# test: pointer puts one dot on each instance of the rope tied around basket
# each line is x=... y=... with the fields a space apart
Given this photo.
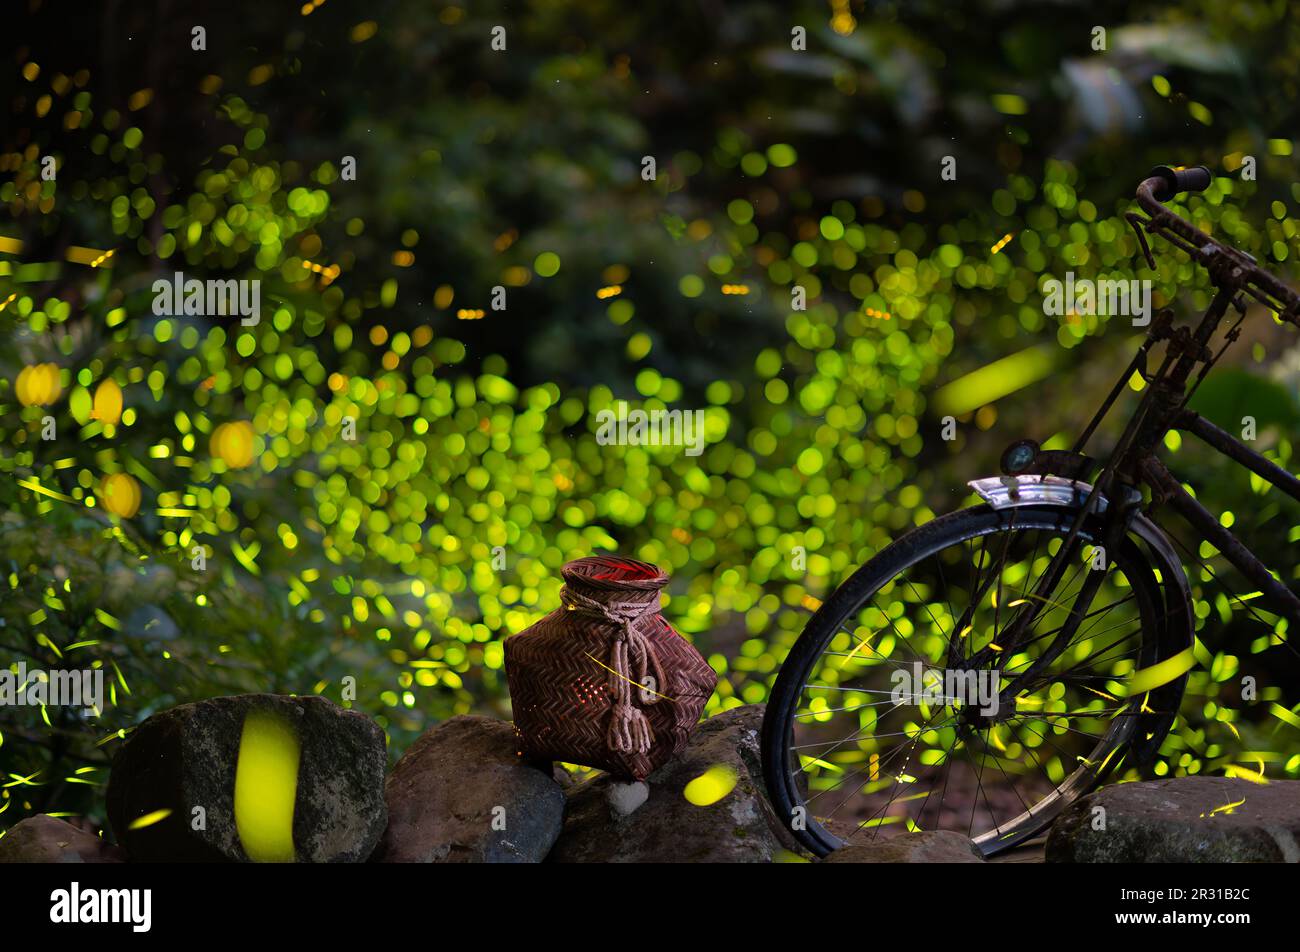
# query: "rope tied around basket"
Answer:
x=632 y=658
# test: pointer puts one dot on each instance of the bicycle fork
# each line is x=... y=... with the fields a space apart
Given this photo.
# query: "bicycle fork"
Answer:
x=1014 y=634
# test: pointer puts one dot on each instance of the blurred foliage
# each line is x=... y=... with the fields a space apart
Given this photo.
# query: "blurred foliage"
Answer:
x=327 y=558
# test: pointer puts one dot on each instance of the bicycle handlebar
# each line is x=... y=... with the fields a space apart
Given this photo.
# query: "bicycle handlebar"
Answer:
x=1228 y=267
x=1195 y=179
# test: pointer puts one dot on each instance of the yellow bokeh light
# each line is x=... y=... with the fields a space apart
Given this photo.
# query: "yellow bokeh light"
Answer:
x=266 y=787
x=108 y=402
x=711 y=786
x=233 y=444
x=121 y=495
x=38 y=385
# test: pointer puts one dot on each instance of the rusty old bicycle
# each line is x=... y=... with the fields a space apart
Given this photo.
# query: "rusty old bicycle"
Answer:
x=993 y=665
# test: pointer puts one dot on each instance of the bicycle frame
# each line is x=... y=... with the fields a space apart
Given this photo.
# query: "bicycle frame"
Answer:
x=1164 y=406
x=1169 y=490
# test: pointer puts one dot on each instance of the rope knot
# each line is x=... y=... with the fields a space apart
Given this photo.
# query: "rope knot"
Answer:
x=633 y=663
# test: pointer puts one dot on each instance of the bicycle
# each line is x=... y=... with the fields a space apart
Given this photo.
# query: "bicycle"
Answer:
x=978 y=634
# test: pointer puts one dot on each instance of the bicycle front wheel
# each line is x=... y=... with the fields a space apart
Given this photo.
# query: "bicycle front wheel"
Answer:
x=884 y=718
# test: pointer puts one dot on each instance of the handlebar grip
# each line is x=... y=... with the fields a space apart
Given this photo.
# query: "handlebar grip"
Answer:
x=1194 y=179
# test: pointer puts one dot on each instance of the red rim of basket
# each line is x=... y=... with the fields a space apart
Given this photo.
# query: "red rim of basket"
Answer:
x=614 y=574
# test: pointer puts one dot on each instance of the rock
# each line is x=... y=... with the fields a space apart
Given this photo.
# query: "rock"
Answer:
x=47 y=839
x=668 y=828
x=460 y=781
x=930 y=846
x=624 y=798
x=1175 y=821
x=276 y=778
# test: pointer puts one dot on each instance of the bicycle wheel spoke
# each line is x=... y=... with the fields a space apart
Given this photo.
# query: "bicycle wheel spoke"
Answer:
x=880 y=767
x=858 y=736
x=884 y=811
x=979 y=784
x=947 y=768
x=838 y=710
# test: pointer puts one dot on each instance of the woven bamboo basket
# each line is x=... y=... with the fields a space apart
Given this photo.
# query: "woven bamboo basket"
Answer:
x=603 y=680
